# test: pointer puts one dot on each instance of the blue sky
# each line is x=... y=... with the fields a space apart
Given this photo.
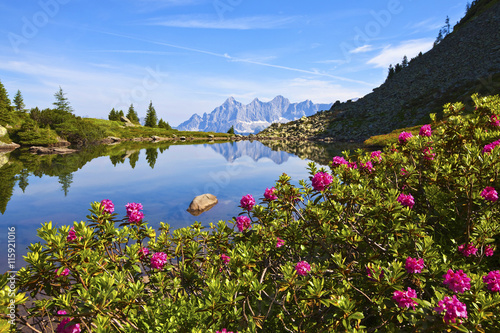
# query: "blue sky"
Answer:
x=189 y=56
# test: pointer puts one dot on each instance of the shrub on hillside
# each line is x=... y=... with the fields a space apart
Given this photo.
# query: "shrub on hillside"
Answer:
x=404 y=239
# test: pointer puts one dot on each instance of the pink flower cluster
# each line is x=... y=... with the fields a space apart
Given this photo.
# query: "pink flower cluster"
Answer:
x=143 y=252
x=321 y=180
x=493 y=281
x=224 y=331
x=65 y=272
x=489 y=193
x=488 y=251
x=404 y=298
x=414 y=265
x=489 y=147
x=376 y=155
x=428 y=154
x=368 y=166
x=63 y=326
x=243 y=223
x=454 y=309
x=403 y=172
x=158 y=260
x=279 y=242
x=406 y=200
x=71 y=235
x=425 y=131
x=338 y=161
x=108 y=205
x=457 y=282
x=404 y=137
x=352 y=165
x=467 y=250
x=302 y=268
x=247 y=202
x=225 y=259
x=269 y=194
x=494 y=121
x=134 y=212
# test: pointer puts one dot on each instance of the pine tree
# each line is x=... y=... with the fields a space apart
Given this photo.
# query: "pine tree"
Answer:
x=151 y=156
x=151 y=118
x=65 y=180
x=5 y=107
x=231 y=130
x=132 y=115
x=447 y=25
x=19 y=102
x=120 y=114
x=62 y=103
x=113 y=115
x=391 y=72
x=398 y=68
x=404 y=64
x=163 y=124
x=439 y=38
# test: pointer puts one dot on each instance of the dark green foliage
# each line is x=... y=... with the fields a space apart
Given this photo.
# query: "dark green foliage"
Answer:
x=231 y=130
x=19 y=102
x=132 y=115
x=62 y=103
x=151 y=156
x=151 y=118
x=23 y=179
x=5 y=107
x=113 y=115
x=134 y=157
x=80 y=131
x=120 y=114
x=391 y=73
x=163 y=124
x=31 y=134
x=8 y=179
x=404 y=63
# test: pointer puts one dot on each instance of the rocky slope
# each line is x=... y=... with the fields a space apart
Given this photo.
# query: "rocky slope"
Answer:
x=466 y=61
x=252 y=117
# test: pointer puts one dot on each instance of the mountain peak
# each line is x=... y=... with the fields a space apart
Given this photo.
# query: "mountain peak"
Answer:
x=230 y=100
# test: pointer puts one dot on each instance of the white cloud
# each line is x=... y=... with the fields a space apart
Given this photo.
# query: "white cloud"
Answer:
x=244 y=23
x=363 y=49
x=425 y=26
x=394 y=54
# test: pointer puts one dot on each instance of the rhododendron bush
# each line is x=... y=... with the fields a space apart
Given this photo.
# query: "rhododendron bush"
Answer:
x=357 y=249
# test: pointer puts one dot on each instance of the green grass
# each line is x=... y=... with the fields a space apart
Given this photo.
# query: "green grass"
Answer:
x=388 y=139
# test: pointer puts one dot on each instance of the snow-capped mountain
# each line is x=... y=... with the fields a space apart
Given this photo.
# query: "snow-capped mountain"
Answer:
x=250 y=118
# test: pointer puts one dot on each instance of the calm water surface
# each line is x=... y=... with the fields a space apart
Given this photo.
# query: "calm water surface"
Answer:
x=163 y=178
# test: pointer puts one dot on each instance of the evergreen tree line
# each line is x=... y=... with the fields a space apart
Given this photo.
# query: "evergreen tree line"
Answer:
x=393 y=70
x=151 y=119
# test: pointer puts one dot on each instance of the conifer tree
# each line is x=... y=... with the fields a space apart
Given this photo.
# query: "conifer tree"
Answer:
x=132 y=114
x=163 y=124
x=231 y=130
x=19 y=102
x=151 y=118
x=62 y=103
x=120 y=114
x=5 y=107
x=391 y=72
x=404 y=63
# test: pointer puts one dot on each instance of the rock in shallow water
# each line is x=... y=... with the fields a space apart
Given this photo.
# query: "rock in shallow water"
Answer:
x=202 y=203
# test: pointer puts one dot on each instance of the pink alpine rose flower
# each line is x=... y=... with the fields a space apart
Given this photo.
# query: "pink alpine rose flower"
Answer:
x=490 y=194
x=453 y=309
x=403 y=172
x=414 y=265
x=71 y=235
x=467 y=250
x=457 y=282
x=269 y=194
x=321 y=180
x=489 y=147
x=338 y=161
x=493 y=281
x=64 y=272
x=428 y=154
x=243 y=223
x=425 y=131
x=158 y=260
x=63 y=326
x=404 y=298
x=368 y=166
x=108 y=205
x=134 y=212
x=406 y=200
x=247 y=202
x=352 y=165
x=225 y=259
x=302 y=268
x=494 y=121
x=143 y=252
x=279 y=242
x=376 y=155
x=489 y=251
x=404 y=137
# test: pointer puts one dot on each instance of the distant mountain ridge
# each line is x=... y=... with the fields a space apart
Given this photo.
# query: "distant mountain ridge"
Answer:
x=252 y=117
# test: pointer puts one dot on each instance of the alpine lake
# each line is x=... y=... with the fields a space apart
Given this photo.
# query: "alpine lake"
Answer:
x=164 y=177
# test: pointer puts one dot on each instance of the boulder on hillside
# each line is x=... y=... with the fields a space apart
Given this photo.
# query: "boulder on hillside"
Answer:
x=3 y=131
x=3 y=159
x=202 y=203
